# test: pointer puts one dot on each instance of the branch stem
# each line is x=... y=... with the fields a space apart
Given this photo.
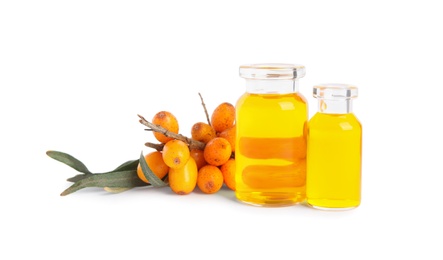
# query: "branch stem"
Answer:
x=204 y=107
x=158 y=147
x=193 y=144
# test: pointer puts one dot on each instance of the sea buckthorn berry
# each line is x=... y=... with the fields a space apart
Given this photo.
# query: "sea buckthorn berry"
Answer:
x=168 y=121
x=229 y=134
x=223 y=117
x=217 y=151
x=228 y=171
x=175 y=153
x=202 y=132
x=183 y=180
x=156 y=164
x=210 y=179
x=199 y=157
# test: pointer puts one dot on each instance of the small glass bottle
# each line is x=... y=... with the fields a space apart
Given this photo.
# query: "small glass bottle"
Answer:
x=334 y=150
x=270 y=151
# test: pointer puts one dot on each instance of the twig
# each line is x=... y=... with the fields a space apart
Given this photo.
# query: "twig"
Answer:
x=158 y=147
x=204 y=107
x=193 y=144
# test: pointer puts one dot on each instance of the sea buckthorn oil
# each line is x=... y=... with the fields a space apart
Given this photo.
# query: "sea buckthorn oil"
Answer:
x=270 y=149
x=334 y=150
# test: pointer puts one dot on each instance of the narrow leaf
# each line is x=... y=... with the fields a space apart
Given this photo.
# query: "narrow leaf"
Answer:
x=78 y=177
x=129 y=165
x=68 y=160
x=122 y=179
x=150 y=176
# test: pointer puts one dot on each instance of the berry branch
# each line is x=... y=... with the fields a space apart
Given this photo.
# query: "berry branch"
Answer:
x=204 y=107
x=158 y=147
x=193 y=144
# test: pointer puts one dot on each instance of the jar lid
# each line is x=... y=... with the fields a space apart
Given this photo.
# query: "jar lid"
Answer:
x=335 y=91
x=272 y=71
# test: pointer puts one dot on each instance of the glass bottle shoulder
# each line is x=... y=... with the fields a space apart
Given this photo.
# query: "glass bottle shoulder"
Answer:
x=335 y=121
x=252 y=98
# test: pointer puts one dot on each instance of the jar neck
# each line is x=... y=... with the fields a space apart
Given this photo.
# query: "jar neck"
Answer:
x=342 y=106
x=271 y=86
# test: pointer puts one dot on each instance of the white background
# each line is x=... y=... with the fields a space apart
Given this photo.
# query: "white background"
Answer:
x=75 y=74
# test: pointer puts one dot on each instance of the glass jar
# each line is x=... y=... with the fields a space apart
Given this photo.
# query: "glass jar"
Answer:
x=334 y=150
x=270 y=150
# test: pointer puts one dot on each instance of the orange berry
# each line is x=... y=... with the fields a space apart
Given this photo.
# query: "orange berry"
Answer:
x=156 y=164
x=198 y=157
x=210 y=179
x=168 y=121
x=183 y=180
x=217 y=151
x=223 y=117
x=228 y=171
x=229 y=134
x=176 y=153
x=202 y=132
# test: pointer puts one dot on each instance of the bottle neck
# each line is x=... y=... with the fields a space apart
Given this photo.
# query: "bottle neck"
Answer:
x=327 y=106
x=271 y=86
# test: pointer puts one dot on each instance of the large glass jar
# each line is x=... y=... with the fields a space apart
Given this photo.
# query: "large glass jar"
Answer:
x=270 y=150
x=334 y=150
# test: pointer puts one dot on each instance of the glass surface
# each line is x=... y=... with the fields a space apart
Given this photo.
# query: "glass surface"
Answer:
x=334 y=150
x=334 y=161
x=270 y=149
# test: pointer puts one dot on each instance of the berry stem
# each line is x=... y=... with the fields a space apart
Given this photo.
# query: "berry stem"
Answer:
x=193 y=144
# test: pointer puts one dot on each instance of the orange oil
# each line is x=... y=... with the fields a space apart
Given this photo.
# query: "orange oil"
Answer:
x=270 y=151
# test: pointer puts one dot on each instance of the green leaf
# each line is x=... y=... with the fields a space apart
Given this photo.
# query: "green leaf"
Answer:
x=78 y=177
x=129 y=165
x=150 y=176
x=68 y=160
x=121 y=179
